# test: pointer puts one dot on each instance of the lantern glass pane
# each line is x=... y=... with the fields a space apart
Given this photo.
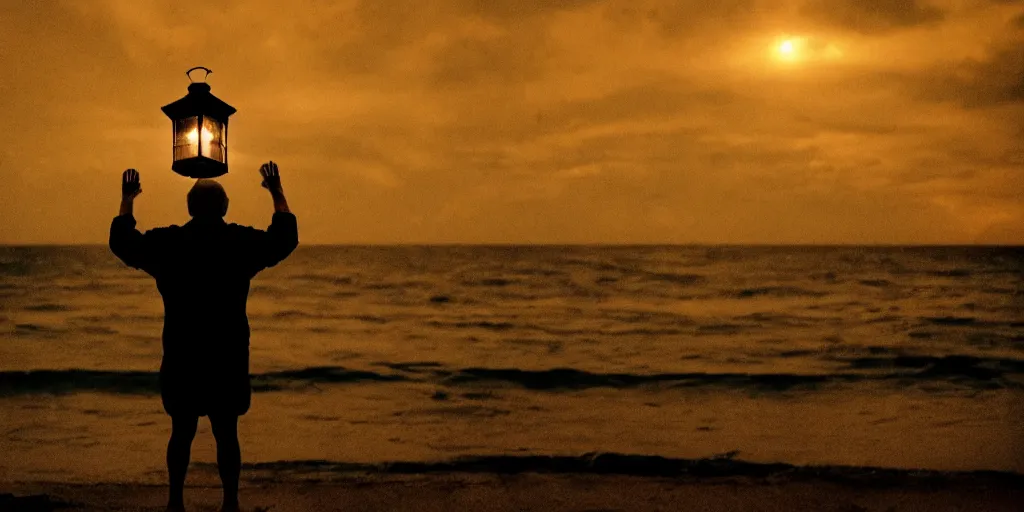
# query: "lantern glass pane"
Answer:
x=186 y=139
x=213 y=142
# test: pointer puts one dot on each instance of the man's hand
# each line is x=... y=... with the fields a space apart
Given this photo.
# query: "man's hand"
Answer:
x=272 y=182
x=131 y=187
x=271 y=176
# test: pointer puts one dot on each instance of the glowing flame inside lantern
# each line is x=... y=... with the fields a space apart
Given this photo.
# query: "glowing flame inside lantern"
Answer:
x=193 y=136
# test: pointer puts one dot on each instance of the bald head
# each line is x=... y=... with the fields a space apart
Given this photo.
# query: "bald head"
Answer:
x=207 y=199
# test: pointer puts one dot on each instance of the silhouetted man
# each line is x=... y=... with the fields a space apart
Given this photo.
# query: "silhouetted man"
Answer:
x=202 y=270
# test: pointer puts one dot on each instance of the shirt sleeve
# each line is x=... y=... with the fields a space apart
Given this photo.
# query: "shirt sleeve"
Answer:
x=134 y=248
x=276 y=243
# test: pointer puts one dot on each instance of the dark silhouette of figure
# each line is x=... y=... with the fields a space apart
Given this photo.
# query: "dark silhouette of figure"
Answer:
x=202 y=270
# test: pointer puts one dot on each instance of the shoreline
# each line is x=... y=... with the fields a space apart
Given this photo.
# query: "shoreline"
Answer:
x=725 y=465
x=455 y=491
x=618 y=464
x=591 y=482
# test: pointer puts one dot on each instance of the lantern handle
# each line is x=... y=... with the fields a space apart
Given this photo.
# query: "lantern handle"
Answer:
x=189 y=73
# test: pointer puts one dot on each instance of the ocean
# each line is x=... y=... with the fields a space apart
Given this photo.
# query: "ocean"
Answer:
x=896 y=357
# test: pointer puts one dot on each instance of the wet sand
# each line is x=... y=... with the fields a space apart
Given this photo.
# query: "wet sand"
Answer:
x=740 y=487
x=486 y=493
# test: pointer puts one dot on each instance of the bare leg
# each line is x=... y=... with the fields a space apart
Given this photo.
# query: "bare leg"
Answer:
x=229 y=457
x=179 y=451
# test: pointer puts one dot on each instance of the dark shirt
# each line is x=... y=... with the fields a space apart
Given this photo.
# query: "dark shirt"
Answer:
x=202 y=270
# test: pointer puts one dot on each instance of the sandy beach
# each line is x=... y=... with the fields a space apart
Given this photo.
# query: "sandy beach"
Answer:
x=595 y=482
x=537 y=491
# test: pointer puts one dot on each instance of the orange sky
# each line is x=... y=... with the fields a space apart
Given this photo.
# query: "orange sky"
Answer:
x=531 y=121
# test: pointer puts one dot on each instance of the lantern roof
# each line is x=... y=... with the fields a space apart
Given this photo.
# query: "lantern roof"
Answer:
x=199 y=101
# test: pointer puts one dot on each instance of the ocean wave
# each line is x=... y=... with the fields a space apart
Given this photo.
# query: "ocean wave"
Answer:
x=572 y=379
x=410 y=367
x=721 y=328
x=878 y=283
x=829 y=277
x=31 y=329
x=323 y=278
x=493 y=281
x=17 y=268
x=788 y=320
x=639 y=331
x=294 y=313
x=972 y=372
x=593 y=265
x=1001 y=290
x=951 y=366
x=956 y=272
x=118 y=318
x=127 y=382
x=95 y=286
x=455 y=410
x=775 y=291
x=47 y=307
x=482 y=324
x=287 y=379
x=633 y=269
x=883 y=319
x=625 y=330
x=97 y=329
x=949 y=320
x=78 y=381
x=725 y=465
x=683 y=279
x=965 y=370
x=543 y=272
x=635 y=316
x=370 y=319
x=384 y=285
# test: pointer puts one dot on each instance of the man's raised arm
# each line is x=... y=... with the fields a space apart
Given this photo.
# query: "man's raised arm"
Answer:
x=282 y=237
x=125 y=241
x=272 y=182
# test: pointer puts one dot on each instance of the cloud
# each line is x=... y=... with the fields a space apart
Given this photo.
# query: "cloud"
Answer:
x=873 y=16
x=995 y=79
x=532 y=121
x=674 y=19
x=507 y=58
x=520 y=9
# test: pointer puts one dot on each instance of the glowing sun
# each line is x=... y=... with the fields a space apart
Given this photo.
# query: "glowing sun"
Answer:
x=805 y=49
x=788 y=49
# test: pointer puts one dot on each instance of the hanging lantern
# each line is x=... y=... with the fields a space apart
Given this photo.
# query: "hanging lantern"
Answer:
x=199 y=124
